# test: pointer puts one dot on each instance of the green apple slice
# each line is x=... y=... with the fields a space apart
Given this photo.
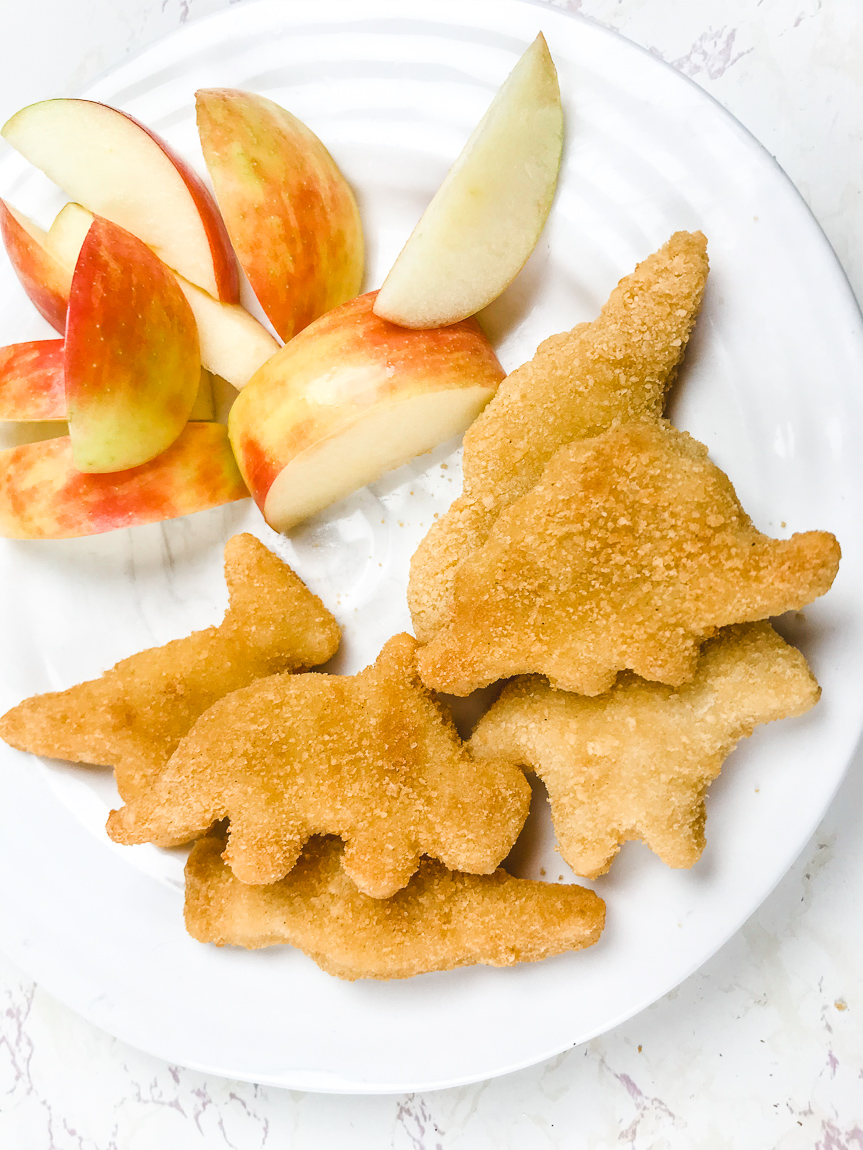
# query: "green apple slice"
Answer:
x=486 y=217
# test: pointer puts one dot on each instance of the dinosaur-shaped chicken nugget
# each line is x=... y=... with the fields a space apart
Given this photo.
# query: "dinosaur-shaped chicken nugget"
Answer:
x=369 y=757
x=133 y=717
x=579 y=383
x=630 y=551
x=636 y=762
x=439 y=921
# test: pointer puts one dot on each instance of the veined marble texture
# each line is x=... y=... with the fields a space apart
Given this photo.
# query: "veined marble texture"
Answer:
x=761 y=1048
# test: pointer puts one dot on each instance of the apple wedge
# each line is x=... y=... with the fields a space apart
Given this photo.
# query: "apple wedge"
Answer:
x=132 y=365
x=487 y=215
x=33 y=384
x=44 y=496
x=118 y=168
x=233 y=343
x=31 y=381
x=290 y=214
x=350 y=397
x=44 y=278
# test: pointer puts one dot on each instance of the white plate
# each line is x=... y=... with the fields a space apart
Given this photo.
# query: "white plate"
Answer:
x=771 y=385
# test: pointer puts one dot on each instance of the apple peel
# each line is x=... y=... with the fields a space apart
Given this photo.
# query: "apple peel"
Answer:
x=43 y=277
x=132 y=362
x=290 y=213
x=44 y=496
x=31 y=381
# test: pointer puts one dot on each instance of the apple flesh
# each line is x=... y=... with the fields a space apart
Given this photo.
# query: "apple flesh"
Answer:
x=44 y=496
x=233 y=343
x=290 y=213
x=487 y=215
x=45 y=279
x=132 y=365
x=31 y=381
x=119 y=169
x=350 y=398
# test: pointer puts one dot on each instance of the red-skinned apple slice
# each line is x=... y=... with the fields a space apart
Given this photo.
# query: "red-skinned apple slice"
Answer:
x=44 y=496
x=118 y=168
x=349 y=398
x=31 y=381
x=233 y=343
x=487 y=215
x=290 y=213
x=132 y=363
x=44 y=278
x=33 y=384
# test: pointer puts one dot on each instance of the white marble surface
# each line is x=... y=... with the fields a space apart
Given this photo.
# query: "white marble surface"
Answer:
x=762 y=1047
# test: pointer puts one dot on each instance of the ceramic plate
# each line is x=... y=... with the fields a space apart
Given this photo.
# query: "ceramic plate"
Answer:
x=771 y=385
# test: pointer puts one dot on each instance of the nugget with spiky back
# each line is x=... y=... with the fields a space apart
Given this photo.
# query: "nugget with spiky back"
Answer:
x=370 y=757
x=439 y=921
x=579 y=383
x=630 y=551
x=133 y=717
x=636 y=762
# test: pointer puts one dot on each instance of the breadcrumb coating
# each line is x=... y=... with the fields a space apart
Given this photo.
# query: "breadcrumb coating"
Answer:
x=630 y=551
x=439 y=921
x=133 y=717
x=579 y=383
x=369 y=757
x=636 y=762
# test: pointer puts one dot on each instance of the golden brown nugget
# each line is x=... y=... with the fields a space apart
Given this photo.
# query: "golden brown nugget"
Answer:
x=579 y=383
x=630 y=551
x=439 y=921
x=133 y=717
x=369 y=757
x=636 y=762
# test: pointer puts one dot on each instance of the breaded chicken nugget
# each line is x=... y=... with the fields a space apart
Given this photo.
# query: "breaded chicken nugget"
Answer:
x=439 y=921
x=630 y=551
x=133 y=717
x=369 y=757
x=636 y=762
x=615 y=369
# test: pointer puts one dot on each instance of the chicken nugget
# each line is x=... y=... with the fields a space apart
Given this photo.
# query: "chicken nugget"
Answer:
x=630 y=551
x=636 y=762
x=439 y=921
x=579 y=383
x=370 y=757
x=133 y=717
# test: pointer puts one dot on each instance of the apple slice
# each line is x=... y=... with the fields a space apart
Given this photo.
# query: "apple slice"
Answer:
x=487 y=215
x=132 y=363
x=31 y=381
x=233 y=343
x=290 y=214
x=349 y=398
x=44 y=496
x=33 y=384
x=118 y=168
x=44 y=278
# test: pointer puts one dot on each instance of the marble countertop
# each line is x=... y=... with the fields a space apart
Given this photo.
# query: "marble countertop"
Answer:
x=761 y=1047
